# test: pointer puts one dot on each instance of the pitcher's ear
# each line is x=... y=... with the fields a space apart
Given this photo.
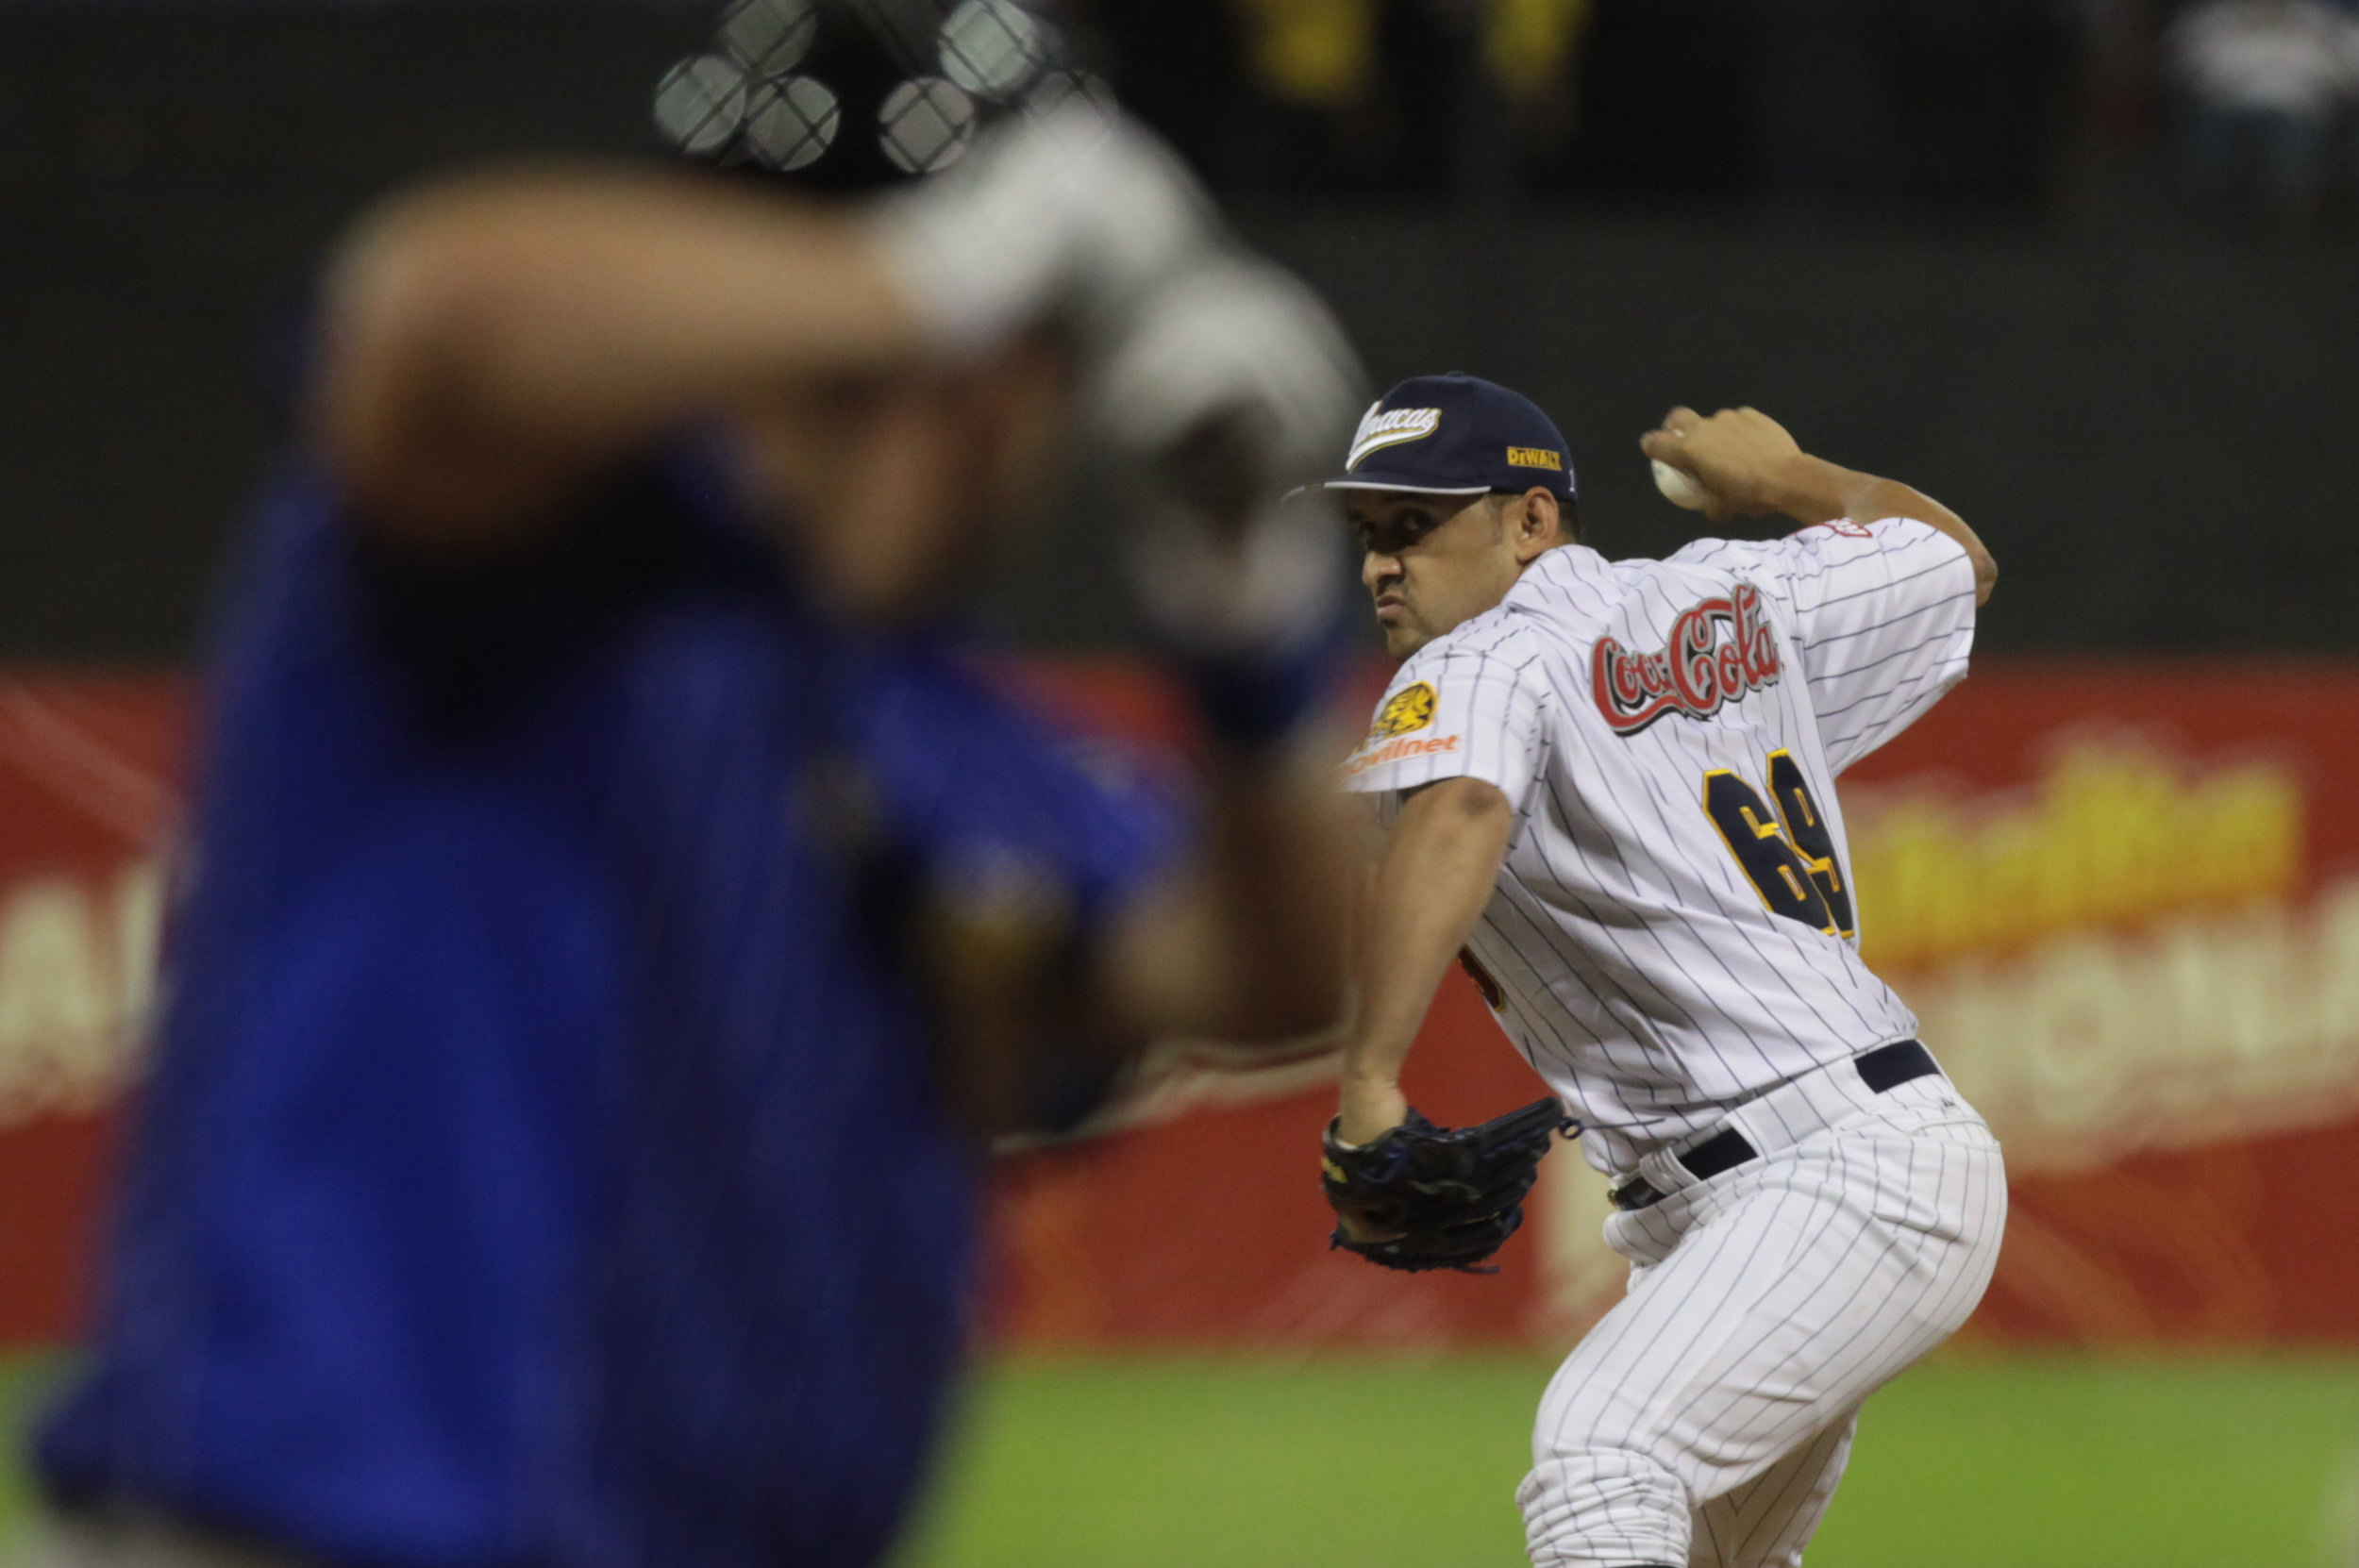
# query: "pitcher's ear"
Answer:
x=1539 y=523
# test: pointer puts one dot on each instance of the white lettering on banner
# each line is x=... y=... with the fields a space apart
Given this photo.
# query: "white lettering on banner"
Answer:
x=78 y=971
x=2092 y=1047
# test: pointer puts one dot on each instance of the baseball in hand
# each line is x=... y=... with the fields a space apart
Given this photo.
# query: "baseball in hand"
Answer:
x=1679 y=488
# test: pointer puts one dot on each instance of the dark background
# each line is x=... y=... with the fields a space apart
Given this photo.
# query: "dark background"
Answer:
x=1937 y=239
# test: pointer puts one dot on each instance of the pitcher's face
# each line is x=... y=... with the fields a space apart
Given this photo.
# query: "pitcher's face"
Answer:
x=1431 y=561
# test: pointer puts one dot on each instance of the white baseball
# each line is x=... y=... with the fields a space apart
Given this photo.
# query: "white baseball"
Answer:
x=1678 y=486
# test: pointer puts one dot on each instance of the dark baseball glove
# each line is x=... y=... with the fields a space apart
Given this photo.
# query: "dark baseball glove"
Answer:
x=1429 y=1197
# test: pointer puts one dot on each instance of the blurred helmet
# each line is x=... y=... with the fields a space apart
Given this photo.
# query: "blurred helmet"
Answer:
x=851 y=95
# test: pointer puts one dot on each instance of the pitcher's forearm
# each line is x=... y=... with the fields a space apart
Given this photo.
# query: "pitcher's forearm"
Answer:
x=1812 y=490
x=1750 y=466
x=1436 y=874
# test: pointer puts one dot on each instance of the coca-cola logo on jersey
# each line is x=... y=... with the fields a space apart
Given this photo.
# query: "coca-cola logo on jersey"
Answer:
x=1697 y=672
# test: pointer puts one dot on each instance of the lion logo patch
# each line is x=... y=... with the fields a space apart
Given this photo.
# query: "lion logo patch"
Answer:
x=1404 y=712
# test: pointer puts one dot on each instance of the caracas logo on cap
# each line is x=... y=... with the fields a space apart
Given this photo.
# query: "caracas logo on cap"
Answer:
x=1379 y=430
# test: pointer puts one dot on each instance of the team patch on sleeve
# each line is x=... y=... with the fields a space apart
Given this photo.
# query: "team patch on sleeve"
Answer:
x=1404 y=712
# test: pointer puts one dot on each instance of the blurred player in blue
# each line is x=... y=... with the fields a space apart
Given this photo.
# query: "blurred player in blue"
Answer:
x=614 y=917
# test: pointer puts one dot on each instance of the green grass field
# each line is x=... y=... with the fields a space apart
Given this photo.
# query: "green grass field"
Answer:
x=22 y=1379
x=1966 y=1462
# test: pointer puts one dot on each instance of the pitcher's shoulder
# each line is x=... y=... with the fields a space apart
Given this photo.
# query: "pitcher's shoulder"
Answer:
x=1508 y=628
x=1576 y=591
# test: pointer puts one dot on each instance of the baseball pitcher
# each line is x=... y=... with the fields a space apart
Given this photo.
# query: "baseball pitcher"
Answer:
x=1608 y=788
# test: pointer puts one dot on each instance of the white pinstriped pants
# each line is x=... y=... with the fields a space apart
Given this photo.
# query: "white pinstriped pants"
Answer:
x=1706 y=1419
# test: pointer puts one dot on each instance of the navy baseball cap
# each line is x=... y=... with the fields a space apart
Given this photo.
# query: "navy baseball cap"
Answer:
x=1456 y=435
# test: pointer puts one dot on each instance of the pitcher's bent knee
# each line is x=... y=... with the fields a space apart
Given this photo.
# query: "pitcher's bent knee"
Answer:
x=1591 y=1508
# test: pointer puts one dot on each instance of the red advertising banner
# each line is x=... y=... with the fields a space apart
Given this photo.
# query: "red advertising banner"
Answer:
x=2123 y=898
x=89 y=773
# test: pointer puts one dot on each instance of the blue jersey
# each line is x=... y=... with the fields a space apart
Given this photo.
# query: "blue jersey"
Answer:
x=544 y=1162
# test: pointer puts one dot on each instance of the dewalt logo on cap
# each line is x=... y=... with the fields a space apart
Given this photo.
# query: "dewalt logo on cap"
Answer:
x=1379 y=430
x=1534 y=457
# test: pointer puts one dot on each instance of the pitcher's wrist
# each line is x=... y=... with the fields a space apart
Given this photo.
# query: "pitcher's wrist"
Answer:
x=1810 y=490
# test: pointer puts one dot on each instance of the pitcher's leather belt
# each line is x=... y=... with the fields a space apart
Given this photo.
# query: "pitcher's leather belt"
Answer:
x=1886 y=1067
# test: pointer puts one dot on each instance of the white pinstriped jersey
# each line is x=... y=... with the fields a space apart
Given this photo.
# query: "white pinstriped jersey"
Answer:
x=1673 y=929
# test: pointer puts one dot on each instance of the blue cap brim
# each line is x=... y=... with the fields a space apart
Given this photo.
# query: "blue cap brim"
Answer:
x=1380 y=481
